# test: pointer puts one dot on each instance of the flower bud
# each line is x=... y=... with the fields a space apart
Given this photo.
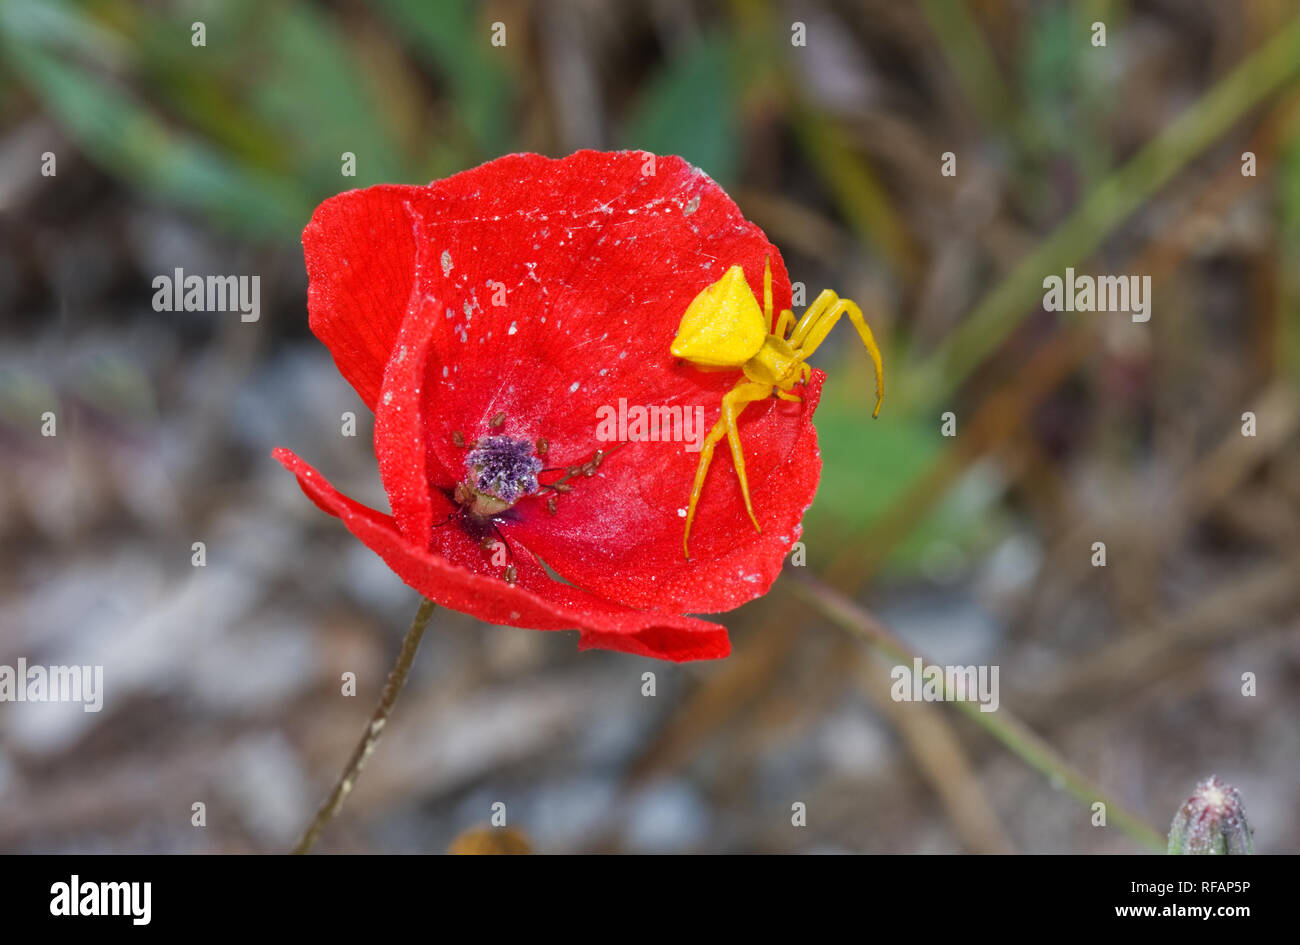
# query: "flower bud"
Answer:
x=1212 y=820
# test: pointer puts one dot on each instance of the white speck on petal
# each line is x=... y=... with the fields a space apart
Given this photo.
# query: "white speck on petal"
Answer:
x=388 y=396
x=446 y=262
x=514 y=327
x=573 y=388
x=444 y=370
x=681 y=513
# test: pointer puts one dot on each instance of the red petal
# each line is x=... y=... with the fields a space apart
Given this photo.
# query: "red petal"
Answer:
x=360 y=256
x=407 y=466
x=596 y=262
x=549 y=606
x=360 y=251
x=621 y=536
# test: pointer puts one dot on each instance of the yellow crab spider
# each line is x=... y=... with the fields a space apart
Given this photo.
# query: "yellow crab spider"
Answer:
x=724 y=329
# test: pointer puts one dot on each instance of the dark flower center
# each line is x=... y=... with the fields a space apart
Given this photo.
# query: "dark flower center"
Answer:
x=500 y=470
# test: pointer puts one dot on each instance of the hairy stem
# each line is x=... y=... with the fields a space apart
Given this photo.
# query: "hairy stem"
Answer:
x=370 y=738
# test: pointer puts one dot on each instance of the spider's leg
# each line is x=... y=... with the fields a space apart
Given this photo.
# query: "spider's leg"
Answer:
x=733 y=405
x=823 y=328
x=811 y=315
x=788 y=396
x=701 y=472
x=733 y=402
x=767 y=292
x=783 y=324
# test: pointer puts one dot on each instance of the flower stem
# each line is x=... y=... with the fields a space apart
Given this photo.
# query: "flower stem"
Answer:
x=370 y=738
x=1017 y=737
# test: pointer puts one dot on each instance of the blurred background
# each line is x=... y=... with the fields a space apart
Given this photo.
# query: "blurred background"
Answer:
x=223 y=682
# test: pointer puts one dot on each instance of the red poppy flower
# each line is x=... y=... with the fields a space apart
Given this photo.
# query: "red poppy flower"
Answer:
x=487 y=319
